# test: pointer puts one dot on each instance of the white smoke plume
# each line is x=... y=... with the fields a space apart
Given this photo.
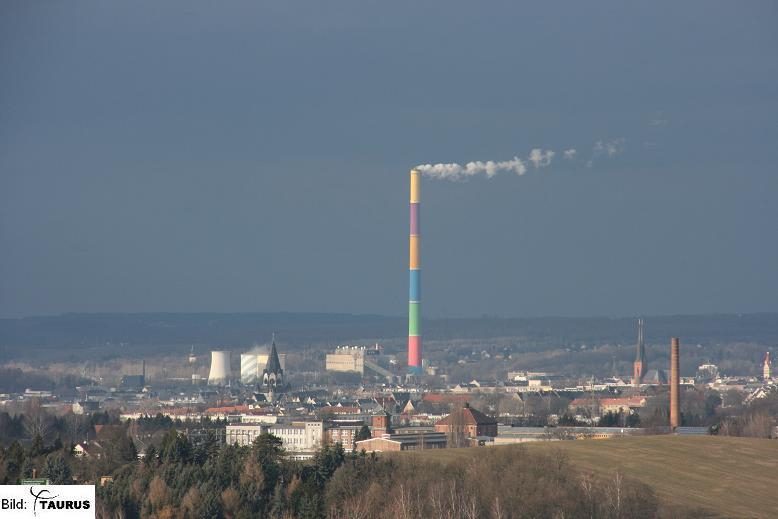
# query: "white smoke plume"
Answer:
x=609 y=148
x=541 y=158
x=490 y=168
x=538 y=158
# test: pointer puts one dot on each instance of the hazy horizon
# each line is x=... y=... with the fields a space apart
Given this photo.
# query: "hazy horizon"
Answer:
x=397 y=316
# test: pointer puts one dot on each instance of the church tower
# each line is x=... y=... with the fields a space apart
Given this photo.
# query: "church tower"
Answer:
x=273 y=375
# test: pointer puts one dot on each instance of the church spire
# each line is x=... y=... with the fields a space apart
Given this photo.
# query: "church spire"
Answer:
x=273 y=375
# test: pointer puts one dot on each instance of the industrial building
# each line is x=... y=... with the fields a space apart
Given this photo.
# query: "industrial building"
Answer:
x=253 y=364
x=136 y=382
x=602 y=406
x=355 y=359
x=403 y=442
x=348 y=359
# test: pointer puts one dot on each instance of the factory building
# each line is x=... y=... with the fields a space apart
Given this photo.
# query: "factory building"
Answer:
x=136 y=382
x=358 y=359
x=347 y=359
x=403 y=442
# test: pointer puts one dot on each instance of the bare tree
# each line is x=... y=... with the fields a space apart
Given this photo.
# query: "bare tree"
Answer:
x=456 y=434
x=36 y=421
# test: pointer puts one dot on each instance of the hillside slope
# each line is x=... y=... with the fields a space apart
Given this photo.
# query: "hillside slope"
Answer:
x=732 y=477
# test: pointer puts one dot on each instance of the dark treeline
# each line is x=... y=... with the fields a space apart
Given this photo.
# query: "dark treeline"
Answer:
x=211 y=481
x=104 y=333
x=15 y=380
x=35 y=421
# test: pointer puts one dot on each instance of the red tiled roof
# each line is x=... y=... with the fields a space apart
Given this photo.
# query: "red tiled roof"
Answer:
x=339 y=410
x=228 y=409
x=635 y=401
x=469 y=416
x=445 y=398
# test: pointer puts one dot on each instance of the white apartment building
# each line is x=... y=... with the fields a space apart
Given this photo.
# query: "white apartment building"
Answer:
x=300 y=440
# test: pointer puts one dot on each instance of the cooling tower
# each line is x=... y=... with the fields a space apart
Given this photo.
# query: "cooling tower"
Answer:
x=220 y=368
x=675 y=383
x=414 y=292
x=249 y=371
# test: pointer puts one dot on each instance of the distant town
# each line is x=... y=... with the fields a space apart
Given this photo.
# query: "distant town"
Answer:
x=362 y=398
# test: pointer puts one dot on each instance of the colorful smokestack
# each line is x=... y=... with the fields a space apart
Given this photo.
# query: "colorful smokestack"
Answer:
x=675 y=383
x=414 y=292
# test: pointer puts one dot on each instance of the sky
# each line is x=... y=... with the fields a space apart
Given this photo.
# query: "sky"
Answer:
x=197 y=156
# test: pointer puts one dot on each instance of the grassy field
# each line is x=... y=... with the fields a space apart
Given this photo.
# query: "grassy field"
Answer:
x=733 y=477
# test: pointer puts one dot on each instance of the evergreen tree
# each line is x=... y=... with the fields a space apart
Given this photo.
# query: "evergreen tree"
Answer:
x=175 y=448
x=57 y=470
x=14 y=458
x=151 y=456
x=278 y=503
x=28 y=466
x=211 y=506
x=125 y=449
x=57 y=445
x=363 y=434
x=36 y=447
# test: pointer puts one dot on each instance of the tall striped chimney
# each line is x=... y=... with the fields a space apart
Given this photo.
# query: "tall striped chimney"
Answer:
x=414 y=292
x=675 y=383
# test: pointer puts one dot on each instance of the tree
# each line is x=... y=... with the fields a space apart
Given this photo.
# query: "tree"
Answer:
x=363 y=434
x=28 y=467
x=14 y=459
x=211 y=504
x=36 y=447
x=36 y=421
x=456 y=431
x=150 y=458
x=326 y=462
x=125 y=449
x=175 y=447
x=57 y=470
x=158 y=493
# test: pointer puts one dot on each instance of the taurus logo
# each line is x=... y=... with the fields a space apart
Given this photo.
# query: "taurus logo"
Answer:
x=40 y=496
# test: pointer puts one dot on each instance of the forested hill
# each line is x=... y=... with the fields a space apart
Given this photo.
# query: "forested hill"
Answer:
x=77 y=332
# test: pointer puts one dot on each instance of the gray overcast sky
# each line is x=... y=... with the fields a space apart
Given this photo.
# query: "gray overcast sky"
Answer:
x=254 y=156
